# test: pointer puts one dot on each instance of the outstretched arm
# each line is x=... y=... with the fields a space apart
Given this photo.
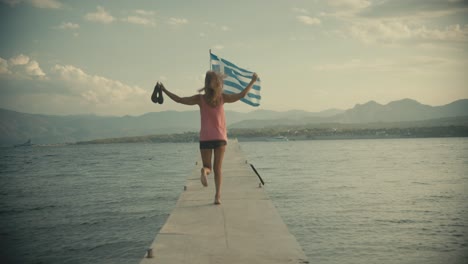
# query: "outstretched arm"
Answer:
x=231 y=98
x=191 y=100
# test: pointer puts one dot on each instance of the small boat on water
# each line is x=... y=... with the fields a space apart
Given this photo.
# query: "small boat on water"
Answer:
x=25 y=144
x=278 y=138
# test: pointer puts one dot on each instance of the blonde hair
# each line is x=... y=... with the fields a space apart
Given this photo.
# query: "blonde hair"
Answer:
x=213 y=94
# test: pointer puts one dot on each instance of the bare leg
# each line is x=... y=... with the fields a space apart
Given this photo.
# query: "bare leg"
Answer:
x=218 y=163
x=206 y=169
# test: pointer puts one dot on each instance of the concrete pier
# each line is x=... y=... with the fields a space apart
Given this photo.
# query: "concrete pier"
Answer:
x=245 y=228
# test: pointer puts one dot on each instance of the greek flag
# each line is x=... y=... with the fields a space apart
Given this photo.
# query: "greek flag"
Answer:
x=236 y=79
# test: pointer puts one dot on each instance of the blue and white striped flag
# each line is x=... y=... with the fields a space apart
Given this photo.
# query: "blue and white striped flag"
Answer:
x=236 y=79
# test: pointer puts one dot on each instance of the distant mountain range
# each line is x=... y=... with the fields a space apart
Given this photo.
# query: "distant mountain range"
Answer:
x=16 y=127
x=372 y=112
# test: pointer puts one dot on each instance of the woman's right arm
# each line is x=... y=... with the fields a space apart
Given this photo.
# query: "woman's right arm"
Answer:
x=191 y=100
x=231 y=98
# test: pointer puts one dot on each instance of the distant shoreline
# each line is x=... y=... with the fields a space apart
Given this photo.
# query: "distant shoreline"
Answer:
x=330 y=132
x=240 y=139
x=397 y=119
x=268 y=134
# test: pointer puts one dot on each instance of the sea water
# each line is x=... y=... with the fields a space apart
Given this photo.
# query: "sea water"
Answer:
x=346 y=201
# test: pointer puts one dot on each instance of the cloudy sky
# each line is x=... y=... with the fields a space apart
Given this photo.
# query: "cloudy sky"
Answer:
x=104 y=57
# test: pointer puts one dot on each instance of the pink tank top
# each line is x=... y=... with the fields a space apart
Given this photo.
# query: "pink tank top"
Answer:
x=213 y=121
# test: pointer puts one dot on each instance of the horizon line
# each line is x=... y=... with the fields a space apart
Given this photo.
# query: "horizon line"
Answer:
x=328 y=109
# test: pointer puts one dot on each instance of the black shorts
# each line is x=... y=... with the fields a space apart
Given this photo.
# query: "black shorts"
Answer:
x=212 y=144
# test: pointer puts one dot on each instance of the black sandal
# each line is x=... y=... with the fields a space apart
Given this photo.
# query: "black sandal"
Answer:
x=161 y=98
x=157 y=96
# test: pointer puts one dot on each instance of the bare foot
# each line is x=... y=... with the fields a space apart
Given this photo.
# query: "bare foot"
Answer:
x=203 y=179
x=217 y=200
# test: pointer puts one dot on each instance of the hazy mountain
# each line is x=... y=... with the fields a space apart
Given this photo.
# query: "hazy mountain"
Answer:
x=402 y=110
x=292 y=114
x=16 y=127
x=371 y=112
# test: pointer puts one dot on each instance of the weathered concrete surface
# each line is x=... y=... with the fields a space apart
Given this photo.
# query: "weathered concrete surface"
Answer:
x=245 y=228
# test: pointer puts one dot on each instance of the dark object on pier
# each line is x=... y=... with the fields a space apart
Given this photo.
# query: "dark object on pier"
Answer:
x=256 y=172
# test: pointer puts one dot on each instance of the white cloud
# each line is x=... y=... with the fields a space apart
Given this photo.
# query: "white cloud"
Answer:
x=21 y=67
x=82 y=91
x=420 y=64
x=142 y=17
x=33 y=69
x=202 y=34
x=4 y=66
x=177 y=21
x=68 y=25
x=393 y=30
x=390 y=22
x=101 y=16
x=449 y=33
x=19 y=60
x=144 y=12
x=96 y=89
x=307 y=20
x=225 y=28
x=139 y=20
x=415 y=9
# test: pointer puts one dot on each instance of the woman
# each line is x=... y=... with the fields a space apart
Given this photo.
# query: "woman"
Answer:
x=213 y=135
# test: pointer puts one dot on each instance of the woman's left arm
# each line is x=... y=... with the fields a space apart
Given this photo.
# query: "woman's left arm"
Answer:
x=191 y=100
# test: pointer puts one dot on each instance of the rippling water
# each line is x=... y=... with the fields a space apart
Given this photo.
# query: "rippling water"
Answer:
x=346 y=201
x=88 y=204
x=371 y=201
